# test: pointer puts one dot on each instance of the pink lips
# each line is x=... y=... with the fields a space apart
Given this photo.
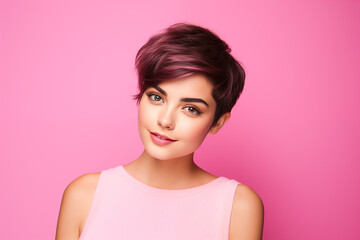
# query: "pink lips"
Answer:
x=160 y=139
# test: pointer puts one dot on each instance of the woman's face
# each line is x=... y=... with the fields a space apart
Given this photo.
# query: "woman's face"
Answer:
x=175 y=116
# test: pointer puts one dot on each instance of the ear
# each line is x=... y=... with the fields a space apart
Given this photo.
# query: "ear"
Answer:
x=222 y=120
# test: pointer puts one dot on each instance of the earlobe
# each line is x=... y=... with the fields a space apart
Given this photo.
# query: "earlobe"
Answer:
x=220 y=123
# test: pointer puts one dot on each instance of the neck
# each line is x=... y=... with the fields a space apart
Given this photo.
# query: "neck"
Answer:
x=166 y=174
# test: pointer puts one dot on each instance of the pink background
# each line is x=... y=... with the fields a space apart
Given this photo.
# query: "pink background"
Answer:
x=67 y=80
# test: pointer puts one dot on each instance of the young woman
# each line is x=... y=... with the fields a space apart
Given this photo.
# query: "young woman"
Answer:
x=188 y=84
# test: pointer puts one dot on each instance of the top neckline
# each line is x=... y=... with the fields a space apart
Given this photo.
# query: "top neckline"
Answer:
x=171 y=193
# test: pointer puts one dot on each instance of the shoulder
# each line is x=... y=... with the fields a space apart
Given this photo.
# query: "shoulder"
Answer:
x=81 y=190
x=84 y=184
x=247 y=198
x=247 y=214
x=75 y=206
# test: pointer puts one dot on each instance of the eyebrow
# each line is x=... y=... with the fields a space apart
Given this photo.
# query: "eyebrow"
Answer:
x=194 y=100
x=162 y=91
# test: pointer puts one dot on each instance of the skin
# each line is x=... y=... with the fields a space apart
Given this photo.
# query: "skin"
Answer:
x=169 y=109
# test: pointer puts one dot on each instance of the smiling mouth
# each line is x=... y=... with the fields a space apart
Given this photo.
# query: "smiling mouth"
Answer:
x=161 y=140
x=162 y=137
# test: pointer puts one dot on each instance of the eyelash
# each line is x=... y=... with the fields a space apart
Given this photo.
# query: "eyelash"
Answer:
x=152 y=97
x=197 y=111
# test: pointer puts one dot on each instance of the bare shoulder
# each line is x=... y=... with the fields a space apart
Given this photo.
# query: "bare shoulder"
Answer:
x=247 y=215
x=247 y=198
x=75 y=206
x=84 y=184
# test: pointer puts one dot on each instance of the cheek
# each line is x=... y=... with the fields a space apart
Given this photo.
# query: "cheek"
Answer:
x=143 y=119
x=144 y=114
x=141 y=113
x=196 y=131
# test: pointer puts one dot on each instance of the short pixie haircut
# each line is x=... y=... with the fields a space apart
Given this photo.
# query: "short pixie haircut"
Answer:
x=182 y=50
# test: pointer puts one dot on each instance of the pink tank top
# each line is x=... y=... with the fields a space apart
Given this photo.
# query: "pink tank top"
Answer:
x=125 y=208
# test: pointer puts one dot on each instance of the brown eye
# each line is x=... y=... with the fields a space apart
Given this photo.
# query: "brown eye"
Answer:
x=192 y=110
x=154 y=97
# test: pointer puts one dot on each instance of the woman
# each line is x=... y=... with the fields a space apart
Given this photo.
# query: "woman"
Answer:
x=188 y=84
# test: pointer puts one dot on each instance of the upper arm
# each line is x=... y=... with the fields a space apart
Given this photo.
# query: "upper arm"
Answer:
x=247 y=215
x=75 y=206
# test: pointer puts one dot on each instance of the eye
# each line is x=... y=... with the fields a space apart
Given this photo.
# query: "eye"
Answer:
x=154 y=97
x=192 y=110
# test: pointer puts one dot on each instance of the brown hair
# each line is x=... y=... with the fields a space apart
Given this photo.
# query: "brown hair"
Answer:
x=183 y=50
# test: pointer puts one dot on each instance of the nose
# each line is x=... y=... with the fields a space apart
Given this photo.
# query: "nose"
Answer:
x=166 y=118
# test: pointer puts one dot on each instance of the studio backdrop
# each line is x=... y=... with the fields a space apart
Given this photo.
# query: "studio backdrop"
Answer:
x=67 y=80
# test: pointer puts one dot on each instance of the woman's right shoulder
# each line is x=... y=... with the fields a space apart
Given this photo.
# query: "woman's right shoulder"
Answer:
x=84 y=184
x=82 y=188
x=75 y=205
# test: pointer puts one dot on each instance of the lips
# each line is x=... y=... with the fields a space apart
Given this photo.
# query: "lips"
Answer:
x=161 y=139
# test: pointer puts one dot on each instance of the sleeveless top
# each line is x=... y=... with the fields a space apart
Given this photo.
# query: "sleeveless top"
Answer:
x=125 y=208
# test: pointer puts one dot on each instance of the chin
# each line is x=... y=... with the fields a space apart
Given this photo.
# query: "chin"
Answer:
x=164 y=156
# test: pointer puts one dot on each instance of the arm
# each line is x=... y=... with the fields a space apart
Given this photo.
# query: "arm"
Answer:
x=247 y=215
x=75 y=206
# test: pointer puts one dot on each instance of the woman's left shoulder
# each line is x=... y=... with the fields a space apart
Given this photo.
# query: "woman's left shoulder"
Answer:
x=247 y=214
x=244 y=195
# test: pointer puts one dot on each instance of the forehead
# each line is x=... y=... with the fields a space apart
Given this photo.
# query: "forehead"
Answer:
x=191 y=86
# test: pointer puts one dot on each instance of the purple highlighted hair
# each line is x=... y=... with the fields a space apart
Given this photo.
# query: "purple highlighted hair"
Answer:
x=183 y=50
